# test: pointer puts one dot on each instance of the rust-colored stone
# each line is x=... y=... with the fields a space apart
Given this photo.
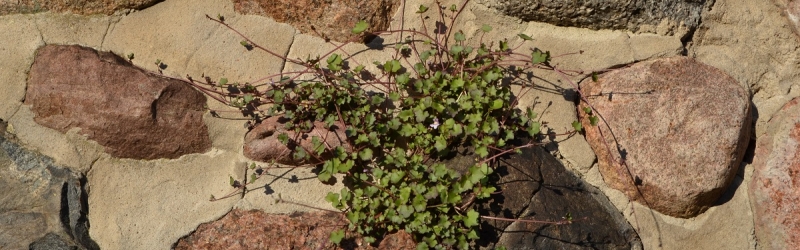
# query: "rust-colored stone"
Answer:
x=332 y=18
x=86 y=7
x=681 y=126
x=255 y=229
x=131 y=112
x=775 y=187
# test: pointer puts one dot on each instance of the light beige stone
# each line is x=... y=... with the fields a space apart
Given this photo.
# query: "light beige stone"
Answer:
x=222 y=55
x=150 y=204
x=762 y=56
x=68 y=29
x=70 y=149
x=298 y=188
x=728 y=225
x=17 y=53
x=172 y=31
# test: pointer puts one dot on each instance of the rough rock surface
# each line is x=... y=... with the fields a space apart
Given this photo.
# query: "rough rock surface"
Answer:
x=791 y=9
x=775 y=188
x=255 y=229
x=663 y=17
x=262 y=144
x=85 y=7
x=333 y=18
x=132 y=113
x=660 y=112
x=536 y=186
x=42 y=205
x=763 y=56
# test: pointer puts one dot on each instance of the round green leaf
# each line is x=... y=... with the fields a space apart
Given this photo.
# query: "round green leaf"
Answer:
x=361 y=26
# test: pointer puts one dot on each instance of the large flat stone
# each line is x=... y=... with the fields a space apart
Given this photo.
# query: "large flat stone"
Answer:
x=131 y=112
x=150 y=204
x=597 y=224
x=18 y=51
x=534 y=185
x=66 y=29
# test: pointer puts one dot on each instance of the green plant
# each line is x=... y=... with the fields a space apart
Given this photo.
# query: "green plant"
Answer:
x=435 y=95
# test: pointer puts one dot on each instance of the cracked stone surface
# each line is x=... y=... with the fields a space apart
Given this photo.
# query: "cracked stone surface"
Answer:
x=19 y=52
x=534 y=185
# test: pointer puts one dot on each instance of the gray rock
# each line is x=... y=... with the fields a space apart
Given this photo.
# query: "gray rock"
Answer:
x=43 y=205
x=131 y=112
x=632 y=15
x=52 y=241
x=18 y=229
x=659 y=114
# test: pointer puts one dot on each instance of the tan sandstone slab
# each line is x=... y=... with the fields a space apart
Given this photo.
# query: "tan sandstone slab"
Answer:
x=179 y=35
x=727 y=225
x=17 y=52
x=67 y=29
x=762 y=56
x=70 y=149
x=150 y=204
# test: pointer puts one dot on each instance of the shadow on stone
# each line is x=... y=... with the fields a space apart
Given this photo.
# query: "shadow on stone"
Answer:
x=534 y=185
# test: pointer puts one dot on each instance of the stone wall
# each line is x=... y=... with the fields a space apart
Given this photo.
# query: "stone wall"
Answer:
x=106 y=151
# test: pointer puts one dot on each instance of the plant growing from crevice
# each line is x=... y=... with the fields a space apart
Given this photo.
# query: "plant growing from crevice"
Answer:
x=436 y=94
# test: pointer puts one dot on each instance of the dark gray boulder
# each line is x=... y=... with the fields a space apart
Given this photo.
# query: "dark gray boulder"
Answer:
x=52 y=241
x=534 y=185
x=631 y=15
x=43 y=206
